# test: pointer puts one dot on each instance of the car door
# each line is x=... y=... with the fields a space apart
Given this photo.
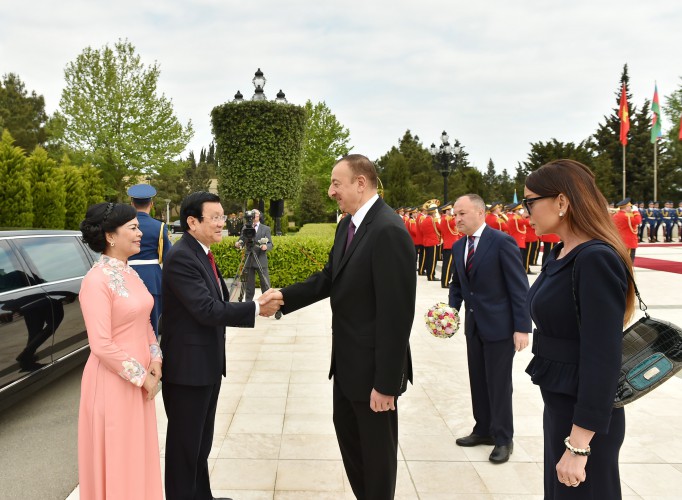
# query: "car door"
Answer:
x=25 y=311
x=58 y=264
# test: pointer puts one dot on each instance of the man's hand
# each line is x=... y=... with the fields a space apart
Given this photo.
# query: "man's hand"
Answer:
x=239 y=244
x=520 y=341
x=264 y=247
x=381 y=402
x=270 y=302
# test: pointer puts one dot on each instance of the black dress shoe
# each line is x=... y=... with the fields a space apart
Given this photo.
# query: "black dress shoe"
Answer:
x=221 y=498
x=474 y=440
x=501 y=453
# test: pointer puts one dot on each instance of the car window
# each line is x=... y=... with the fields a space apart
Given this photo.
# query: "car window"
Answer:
x=11 y=277
x=55 y=258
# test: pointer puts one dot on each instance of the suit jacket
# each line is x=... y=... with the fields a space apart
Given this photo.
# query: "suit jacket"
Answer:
x=195 y=316
x=495 y=291
x=372 y=287
x=263 y=231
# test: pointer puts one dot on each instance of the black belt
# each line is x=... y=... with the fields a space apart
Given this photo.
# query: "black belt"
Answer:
x=556 y=349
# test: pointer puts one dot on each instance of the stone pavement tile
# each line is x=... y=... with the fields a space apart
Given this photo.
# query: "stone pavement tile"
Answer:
x=511 y=478
x=310 y=447
x=309 y=405
x=244 y=474
x=652 y=480
x=445 y=477
x=258 y=446
x=245 y=423
x=310 y=475
x=440 y=448
x=261 y=405
x=309 y=424
x=266 y=390
x=269 y=377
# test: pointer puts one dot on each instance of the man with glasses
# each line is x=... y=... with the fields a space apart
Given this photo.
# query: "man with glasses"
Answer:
x=195 y=314
x=257 y=260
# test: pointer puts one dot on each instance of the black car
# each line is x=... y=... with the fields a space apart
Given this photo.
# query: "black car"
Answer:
x=42 y=332
x=175 y=227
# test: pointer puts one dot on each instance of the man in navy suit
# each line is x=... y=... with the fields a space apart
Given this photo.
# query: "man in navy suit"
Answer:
x=372 y=294
x=491 y=280
x=195 y=314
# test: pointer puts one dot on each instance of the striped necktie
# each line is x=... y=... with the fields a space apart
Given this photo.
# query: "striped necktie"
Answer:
x=470 y=254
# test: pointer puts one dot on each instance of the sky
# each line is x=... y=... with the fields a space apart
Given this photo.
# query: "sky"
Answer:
x=496 y=75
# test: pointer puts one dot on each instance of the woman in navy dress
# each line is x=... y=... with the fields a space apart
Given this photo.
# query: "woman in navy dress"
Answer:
x=579 y=304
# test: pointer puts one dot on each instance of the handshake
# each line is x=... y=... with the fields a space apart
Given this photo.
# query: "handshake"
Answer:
x=270 y=302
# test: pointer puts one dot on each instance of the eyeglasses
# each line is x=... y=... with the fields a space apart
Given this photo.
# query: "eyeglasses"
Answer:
x=216 y=218
x=528 y=202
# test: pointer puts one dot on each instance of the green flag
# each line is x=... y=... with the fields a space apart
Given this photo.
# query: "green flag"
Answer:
x=656 y=118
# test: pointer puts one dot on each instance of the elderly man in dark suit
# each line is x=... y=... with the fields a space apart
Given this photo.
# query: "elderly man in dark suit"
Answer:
x=372 y=294
x=257 y=258
x=195 y=314
x=491 y=279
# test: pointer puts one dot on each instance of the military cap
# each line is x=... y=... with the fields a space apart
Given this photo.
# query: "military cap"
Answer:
x=432 y=207
x=447 y=206
x=624 y=203
x=512 y=206
x=141 y=192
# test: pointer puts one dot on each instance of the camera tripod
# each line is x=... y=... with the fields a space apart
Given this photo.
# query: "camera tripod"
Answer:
x=237 y=288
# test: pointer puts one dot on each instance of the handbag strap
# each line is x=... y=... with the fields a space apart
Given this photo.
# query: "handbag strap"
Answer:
x=642 y=305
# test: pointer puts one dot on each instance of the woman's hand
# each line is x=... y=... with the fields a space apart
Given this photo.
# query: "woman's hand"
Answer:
x=571 y=469
x=151 y=384
x=155 y=368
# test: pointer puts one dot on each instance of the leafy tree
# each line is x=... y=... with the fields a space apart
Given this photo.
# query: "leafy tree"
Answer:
x=76 y=200
x=258 y=148
x=113 y=112
x=22 y=114
x=16 y=202
x=48 y=190
x=171 y=185
x=491 y=183
x=312 y=205
x=399 y=188
x=93 y=183
x=199 y=176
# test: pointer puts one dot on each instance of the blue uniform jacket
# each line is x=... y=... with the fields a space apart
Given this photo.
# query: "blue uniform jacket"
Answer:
x=149 y=250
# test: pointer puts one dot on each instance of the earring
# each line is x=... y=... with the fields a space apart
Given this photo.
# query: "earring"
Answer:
x=112 y=243
x=561 y=214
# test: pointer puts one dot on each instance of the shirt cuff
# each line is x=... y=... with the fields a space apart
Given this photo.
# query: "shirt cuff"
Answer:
x=257 y=308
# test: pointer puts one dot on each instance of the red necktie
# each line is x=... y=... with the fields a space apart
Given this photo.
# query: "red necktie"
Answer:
x=470 y=254
x=215 y=269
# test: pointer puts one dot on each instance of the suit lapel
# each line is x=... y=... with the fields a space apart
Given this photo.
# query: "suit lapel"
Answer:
x=203 y=258
x=484 y=244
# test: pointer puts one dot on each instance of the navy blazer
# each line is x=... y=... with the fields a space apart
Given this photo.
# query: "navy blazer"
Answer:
x=372 y=290
x=495 y=292
x=195 y=316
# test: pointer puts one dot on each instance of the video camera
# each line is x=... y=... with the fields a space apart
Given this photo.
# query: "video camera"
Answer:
x=248 y=234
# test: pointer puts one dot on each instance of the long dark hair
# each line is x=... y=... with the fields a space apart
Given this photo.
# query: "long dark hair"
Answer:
x=104 y=218
x=587 y=212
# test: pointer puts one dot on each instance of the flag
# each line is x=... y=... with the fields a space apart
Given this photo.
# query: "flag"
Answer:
x=656 y=118
x=516 y=200
x=624 y=116
x=681 y=128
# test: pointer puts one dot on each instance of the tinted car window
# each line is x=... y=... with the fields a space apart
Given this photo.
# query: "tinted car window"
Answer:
x=11 y=277
x=55 y=258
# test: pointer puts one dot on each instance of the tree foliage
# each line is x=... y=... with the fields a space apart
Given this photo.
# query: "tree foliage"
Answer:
x=48 y=191
x=23 y=115
x=112 y=111
x=76 y=200
x=16 y=202
x=259 y=146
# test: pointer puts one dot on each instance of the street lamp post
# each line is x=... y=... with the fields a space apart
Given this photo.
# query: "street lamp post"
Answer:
x=444 y=160
x=259 y=81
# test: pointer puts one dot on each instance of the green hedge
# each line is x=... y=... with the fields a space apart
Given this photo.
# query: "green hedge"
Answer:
x=292 y=259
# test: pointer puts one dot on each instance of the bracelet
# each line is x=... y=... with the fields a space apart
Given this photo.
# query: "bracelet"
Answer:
x=583 y=452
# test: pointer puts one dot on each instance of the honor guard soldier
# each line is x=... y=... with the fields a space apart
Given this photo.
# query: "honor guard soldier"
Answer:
x=650 y=214
x=668 y=213
x=233 y=225
x=450 y=234
x=645 y=221
x=419 y=215
x=430 y=240
x=679 y=221
x=659 y=219
x=532 y=247
x=153 y=247
x=411 y=225
x=495 y=218
x=626 y=221
x=517 y=227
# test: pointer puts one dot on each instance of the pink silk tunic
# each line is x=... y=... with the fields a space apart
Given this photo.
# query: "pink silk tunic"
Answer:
x=118 y=448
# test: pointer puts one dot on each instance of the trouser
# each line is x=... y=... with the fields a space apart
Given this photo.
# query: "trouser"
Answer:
x=189 y=435
x=430 y=262
x=490 y=380
x=447 y=270
x=368 y=442
x=420 y=258
x=251 y=281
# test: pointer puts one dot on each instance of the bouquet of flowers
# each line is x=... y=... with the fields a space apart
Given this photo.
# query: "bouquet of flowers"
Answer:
x=442 y=321
x=263 y=241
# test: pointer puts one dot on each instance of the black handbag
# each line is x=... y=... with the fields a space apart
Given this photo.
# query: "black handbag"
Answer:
x=652 y=352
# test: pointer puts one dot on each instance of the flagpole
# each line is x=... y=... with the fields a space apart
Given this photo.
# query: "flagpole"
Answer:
x=655 y=170
x=623 y=171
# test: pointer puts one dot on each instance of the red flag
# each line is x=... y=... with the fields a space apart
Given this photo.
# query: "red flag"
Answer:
x=624 y=117
x=681 y=128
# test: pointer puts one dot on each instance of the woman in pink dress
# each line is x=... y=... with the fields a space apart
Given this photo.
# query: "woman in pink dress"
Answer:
x=118 y=449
